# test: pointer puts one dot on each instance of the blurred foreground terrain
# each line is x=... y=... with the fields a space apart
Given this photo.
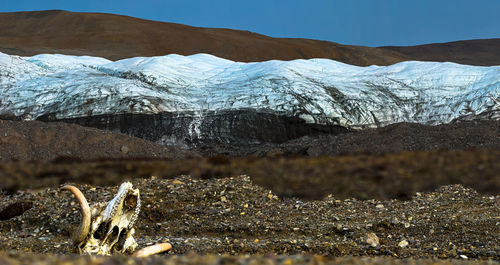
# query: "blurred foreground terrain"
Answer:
x=404 y=194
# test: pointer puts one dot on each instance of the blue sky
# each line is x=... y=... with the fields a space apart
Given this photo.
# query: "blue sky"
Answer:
x=357 y=22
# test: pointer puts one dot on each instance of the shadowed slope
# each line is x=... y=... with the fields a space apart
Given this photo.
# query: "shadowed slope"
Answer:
x=116 y=37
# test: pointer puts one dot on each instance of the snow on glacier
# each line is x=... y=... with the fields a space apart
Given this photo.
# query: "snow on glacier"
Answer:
x=318 y=90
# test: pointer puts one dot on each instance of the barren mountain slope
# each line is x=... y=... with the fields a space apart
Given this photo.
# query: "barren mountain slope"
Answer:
x=116 y=37
x=475 y=52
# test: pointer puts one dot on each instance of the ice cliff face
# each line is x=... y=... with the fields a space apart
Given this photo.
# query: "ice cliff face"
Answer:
x=318 y=91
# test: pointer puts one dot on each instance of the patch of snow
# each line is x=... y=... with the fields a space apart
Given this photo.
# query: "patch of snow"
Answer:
x=59 y=61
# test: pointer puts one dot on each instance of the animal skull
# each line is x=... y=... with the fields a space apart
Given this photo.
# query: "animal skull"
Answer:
x=108 y=229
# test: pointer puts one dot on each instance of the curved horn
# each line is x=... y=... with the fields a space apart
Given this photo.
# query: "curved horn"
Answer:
x=151 y=250
x=84 y=227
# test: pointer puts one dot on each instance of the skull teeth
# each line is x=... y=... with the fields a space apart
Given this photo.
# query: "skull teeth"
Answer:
x=136 y=213
x=115 y=202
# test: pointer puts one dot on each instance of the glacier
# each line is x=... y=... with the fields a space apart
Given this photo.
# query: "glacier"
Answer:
x=319 y=91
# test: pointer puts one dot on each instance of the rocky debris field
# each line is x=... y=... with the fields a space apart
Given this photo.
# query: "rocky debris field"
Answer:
x=235 y=216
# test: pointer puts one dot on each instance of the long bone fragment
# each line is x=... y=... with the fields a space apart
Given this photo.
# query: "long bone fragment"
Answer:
x=151 y=250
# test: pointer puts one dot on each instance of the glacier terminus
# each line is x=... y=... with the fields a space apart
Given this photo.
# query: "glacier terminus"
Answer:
x=319 y=92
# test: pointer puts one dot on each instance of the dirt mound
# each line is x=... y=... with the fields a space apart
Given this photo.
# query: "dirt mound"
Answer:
x=400 y=137
x=395 y=138
x=34 y=140
x=116 y=37
x=235 y=216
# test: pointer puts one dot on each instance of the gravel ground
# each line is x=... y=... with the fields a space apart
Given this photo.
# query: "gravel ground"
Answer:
x=236 y=217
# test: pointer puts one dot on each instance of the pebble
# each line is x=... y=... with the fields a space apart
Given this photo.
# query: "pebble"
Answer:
x=124 y=149
x=404 y=243
x=372 y=239
x=176 y=181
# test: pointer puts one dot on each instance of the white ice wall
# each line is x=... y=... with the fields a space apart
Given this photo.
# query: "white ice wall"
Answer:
x=318 y=90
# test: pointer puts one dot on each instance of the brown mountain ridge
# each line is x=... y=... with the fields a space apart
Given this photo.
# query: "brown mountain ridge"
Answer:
x=117 y=37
